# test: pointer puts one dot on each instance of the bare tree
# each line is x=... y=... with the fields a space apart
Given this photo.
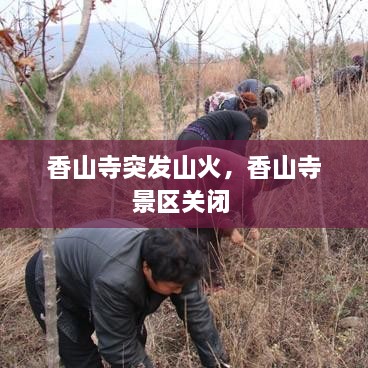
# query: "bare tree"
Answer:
x=325 y=17
x=253 y=30
x=202 y=24
x=19 y=54
x=158 y=40
x=117 y=34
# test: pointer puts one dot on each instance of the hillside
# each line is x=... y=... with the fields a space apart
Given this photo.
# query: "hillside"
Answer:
x=98 y=50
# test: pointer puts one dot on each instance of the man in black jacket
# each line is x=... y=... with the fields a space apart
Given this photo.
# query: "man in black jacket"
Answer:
x=110 y=279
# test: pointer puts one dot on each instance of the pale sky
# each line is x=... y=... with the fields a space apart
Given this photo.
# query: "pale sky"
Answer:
x=234 y=20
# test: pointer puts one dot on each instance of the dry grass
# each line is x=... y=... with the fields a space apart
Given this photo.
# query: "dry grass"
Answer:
x=285 y=317
x=268 y=317
x=275 y=67
x=216 y=76
x=21 y=343
x=340 y=118
x=15 y=247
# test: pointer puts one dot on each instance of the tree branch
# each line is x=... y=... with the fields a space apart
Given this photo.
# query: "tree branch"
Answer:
x=24 y=110
x=21 y=90
x=24 y=78
x=68 y=64
x=43 y=43
x=61 y=98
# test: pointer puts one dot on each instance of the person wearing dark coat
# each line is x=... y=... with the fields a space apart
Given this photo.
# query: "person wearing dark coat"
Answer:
x=110 y=279
x=236 y=126
x=348 y=78
x=271 y=95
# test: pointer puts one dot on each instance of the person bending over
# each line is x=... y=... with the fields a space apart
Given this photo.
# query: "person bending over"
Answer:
x=109 y=280
x=235 y=126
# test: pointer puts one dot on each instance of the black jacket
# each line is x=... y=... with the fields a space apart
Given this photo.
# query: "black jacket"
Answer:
x=226 y=125
x=346 y=77
x=100 y=269
x=234 y=126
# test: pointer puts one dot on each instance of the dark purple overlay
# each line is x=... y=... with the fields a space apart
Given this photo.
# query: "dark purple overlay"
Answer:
x=143 y=182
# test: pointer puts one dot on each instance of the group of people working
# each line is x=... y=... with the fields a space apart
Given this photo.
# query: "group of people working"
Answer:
x=111 y=276
x=248 y=93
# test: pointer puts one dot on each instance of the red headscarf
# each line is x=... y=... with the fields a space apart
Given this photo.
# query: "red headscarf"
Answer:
x=249 y=99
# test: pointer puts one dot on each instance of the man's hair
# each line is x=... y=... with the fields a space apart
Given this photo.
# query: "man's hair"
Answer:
x=173 y=255
x=260 y=113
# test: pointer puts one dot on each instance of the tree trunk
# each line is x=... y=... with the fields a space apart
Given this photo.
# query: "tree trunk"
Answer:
x=27 y=118
x=53 y=93
x=162 y=92
x=52 y=338
x=199 y=64
x=41 y=186
x=317 y=120
x=121 y=130
x=46 y=210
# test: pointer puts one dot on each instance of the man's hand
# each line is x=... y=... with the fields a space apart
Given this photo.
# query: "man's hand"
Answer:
x=236 y=237
x=254 y=234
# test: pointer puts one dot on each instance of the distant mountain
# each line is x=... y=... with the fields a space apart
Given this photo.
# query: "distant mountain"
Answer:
x=99 y=51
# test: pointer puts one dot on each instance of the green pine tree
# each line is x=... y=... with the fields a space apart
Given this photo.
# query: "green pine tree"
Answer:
x=253 y=57
x=108 y=120
x=65 y=116
x=295 y=58
x=173 y=88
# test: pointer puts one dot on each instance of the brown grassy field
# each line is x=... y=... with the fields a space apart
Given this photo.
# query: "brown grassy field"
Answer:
x=287 y=317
